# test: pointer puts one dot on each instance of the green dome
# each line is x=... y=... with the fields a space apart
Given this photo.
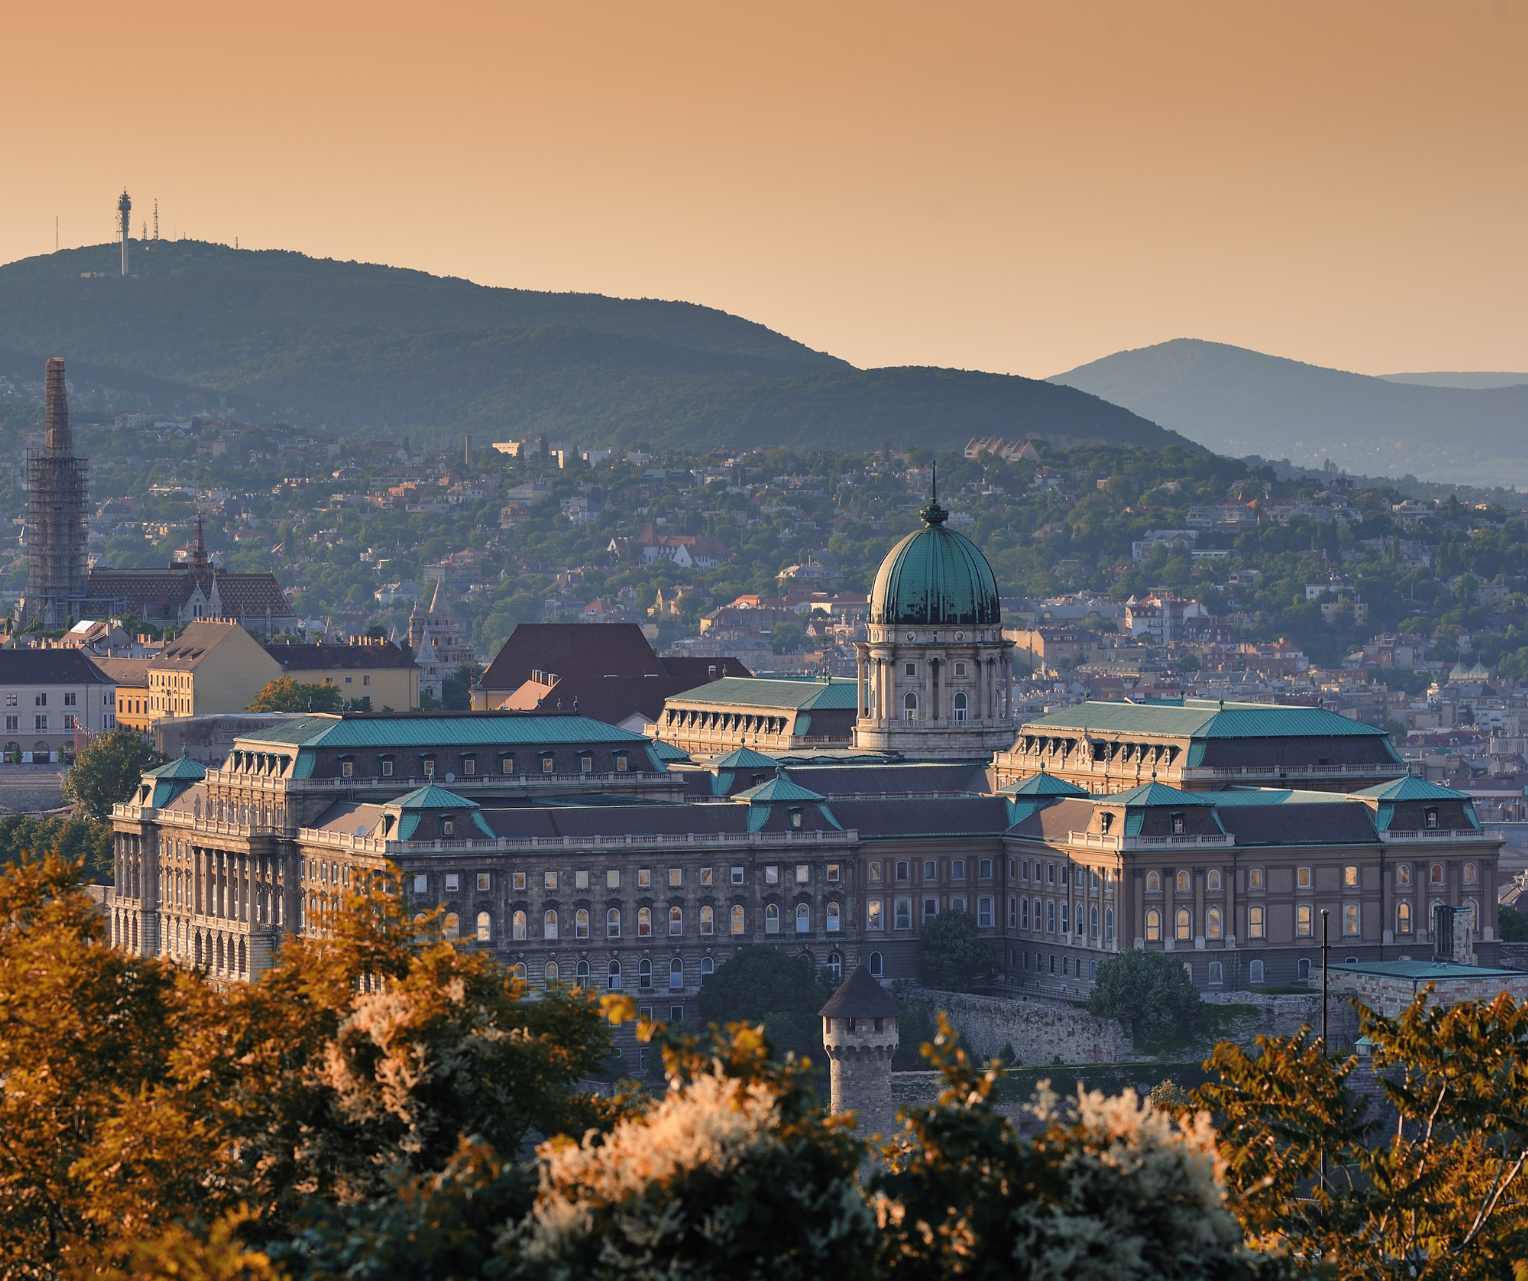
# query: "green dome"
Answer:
x=936 y=577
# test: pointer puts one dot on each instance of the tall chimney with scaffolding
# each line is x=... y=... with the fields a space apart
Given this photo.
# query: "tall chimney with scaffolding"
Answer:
x=125 y=222
x=57 y=482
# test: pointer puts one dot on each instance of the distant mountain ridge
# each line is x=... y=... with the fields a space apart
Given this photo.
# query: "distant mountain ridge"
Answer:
x=1476 y=381
x=1236 y=401
x=363 y=347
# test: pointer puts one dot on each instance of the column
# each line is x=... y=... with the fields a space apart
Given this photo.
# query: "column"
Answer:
x=859 y=683
x=928 y=711
x=1169 y=908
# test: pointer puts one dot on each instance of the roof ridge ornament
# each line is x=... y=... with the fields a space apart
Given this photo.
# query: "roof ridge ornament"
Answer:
x=932 y=513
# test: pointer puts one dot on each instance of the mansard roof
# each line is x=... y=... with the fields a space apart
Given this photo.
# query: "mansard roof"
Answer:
x=49 y=667
x=430 y=729
x=1042 y=784
x=1411 y=788
x=784 y=693
x=1202 y=718
x=1151 y=795
x=780 y=788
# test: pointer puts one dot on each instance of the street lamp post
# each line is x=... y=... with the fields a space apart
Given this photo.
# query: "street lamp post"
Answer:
x=1325 y=957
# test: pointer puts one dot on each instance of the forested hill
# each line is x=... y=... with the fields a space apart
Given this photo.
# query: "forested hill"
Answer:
x=362 y=347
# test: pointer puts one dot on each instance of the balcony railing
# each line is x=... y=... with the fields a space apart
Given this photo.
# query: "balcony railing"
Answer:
x=235 y=780
x=1438 y=834
x=1118 y=841
x=502 y=845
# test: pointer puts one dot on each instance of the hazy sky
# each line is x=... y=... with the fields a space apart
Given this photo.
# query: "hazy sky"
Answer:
x=1016 y=187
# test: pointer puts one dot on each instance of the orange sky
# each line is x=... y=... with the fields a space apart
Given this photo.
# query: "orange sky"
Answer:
x=1017 y=187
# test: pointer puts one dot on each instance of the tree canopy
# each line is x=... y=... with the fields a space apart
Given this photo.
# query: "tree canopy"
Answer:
x=1151 y=995
x=287 y=694
x=107 y=769
x=954 y=957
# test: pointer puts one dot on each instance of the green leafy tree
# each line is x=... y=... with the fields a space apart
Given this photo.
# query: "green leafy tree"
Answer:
x=286 y=694
x=1514 y=924
x=107 y=769
x=1433 y=1191
x=769 y=986
x=954 y=957
x=1151 y=995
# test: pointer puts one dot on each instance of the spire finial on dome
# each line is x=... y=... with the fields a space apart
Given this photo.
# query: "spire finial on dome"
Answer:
x=933 y=513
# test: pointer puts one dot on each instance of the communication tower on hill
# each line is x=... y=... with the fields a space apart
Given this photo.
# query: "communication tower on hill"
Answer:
x=125 y=224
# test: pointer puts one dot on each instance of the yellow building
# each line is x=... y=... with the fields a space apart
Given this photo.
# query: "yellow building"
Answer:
x=218 y=667
x=210 y=667
x=372 y=673
x=132 y=679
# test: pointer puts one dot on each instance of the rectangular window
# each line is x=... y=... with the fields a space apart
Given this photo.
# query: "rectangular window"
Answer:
x=13 y=724
x=347 y=768
x=613 y=879
x=957 y=869
x=803 y=873
x=1350 y=877
x=548 y=763
x=873 y=872
x=549 y=880
x=1255 y=879
x=833 y=873
x=644 y=878
x=1050 y=873
x=40 y=722
x=904 y=871
x=484 y=882
x=737 y=874
x=1255 y=921
x=1217 y=973
x=41 y=700
x=68 y=720
x=873 y=917
x=930 y=869
x=387 y=767
x=1304 y=918
x=71 y=700
x=904 y=913
x=930 y=909
x=1303 y=879
x=676 y=878
x=1351 y=927
x=469 y=766
x=421 y=883
x=957 y=902
x=984 y=912
x=453 y=882
x=708 y=876
x=581 y=879
x=984 y=869
x=427 y=767
x=771 y=874
x=517 y=880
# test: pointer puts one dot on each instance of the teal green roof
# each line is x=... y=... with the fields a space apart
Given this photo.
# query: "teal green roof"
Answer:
x=780 y=788
x=1232 y=796
x=1042 y=784
x=433 y=797
x=182 y=768
x=784 y=693
x=466 y=729
x=1204 y=718
x=744 y=758
x=1423 y=971
x=935 y=577
x=667 y=751
x=1148 y=795
x=1411 y=788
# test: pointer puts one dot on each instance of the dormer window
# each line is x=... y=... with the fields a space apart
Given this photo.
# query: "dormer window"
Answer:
x=586 y=762
x=548 y=763
x=347 y=767
x=1430 y=817
x=796 y=816
x=1105 y=821
x=469 y=766
x=507 y=763
x=387 y=765
x=448 y=826
x=622 y=762
x=427 y=766
x=1178 y=826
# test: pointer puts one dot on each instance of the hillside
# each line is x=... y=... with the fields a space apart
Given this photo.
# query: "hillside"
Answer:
x=363 y=348
x=1475 y=381
x=1241 y=402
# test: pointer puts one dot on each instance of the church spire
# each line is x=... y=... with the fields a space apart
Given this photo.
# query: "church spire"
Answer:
x=933 y=513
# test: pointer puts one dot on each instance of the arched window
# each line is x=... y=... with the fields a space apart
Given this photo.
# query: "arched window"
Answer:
x=803 y=919
x=613 y=923
x=581 y=923
x=1212 y=880
x=552 y=974
x=1212 y=924
x=1254 y=972
x=771 y=918
x=1183 y=924
x=676 y=921
x=1108 y=925
x=1050 y=917
x=909 y=706
x=518 y=970
x=676 y=975
x=1302 y=968
x=739 y=919
x=1153 y=925
x=877 y=965
x=613 y=979
x=1153 y=882
x=644 y=975
x=644 y=922
x=707 y=919
x=1403 y=917
x=581 y=974
x=960 y=706
x=707 y=966
x=1435 y=875
x=1255 y=921
x=517 y=925
x=1093 y=922
x=835 y=967
x=834 y=922
x=1065 y=920
x=549 y=923
x=452 y=925
x=1181 y=884
x=485 y=927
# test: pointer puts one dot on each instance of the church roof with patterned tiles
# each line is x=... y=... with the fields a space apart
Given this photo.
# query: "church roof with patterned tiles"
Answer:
x=155 y=592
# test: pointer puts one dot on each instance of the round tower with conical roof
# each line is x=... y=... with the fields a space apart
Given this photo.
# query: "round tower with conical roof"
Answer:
x=859 y=1035
x=934 y=673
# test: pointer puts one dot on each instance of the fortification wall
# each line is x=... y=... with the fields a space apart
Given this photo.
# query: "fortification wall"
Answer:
x=1038 y=1031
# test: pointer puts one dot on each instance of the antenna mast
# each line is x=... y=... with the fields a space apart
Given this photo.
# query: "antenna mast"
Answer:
x=125 y=223
x=156 y=217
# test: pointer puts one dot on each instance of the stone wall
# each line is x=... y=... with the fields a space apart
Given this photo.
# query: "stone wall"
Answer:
x=1039 y=1031
x=1285 y=1014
